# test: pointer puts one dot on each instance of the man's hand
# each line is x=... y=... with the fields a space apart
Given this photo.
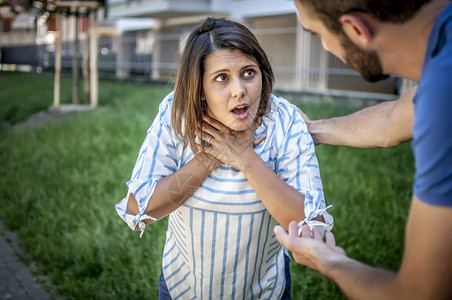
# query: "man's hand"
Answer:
x=310 y=249
x=386 y=124
x=308 y=124
x=303 y=115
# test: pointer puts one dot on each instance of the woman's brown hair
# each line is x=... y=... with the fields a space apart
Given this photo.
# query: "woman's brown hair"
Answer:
x=211 y=35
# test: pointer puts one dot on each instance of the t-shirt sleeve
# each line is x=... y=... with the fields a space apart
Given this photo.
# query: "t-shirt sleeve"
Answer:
x=156 y=160
x=432 y=141
x=298 y=166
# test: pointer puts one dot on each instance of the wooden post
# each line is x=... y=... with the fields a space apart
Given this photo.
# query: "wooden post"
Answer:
x=85 y=65
x=56 y=83
x=156 y=57
x=299 y=81
x=93 y=56
x=74 y=7
x=75 y=84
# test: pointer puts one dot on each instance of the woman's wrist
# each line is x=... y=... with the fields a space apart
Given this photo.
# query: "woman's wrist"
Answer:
x=247 y=159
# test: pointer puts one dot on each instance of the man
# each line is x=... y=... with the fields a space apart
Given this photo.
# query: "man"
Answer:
x=410 y=39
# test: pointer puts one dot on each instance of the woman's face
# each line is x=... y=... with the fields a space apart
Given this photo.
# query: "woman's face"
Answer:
x=232 y=84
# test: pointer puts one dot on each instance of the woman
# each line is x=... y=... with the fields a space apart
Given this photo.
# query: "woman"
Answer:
x=223 y=196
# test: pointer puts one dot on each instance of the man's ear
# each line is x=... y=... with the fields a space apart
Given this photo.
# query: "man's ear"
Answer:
x=357 y=28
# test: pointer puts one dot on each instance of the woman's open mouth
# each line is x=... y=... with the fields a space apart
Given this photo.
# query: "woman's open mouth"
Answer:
x=240 y=112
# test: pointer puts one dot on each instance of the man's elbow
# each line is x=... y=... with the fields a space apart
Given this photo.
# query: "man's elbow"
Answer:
x=388 y=140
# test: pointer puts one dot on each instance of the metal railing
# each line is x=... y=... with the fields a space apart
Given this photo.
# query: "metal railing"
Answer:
x=155 y=57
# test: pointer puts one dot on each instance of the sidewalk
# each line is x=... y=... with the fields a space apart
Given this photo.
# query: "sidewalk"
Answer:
x=16 y=282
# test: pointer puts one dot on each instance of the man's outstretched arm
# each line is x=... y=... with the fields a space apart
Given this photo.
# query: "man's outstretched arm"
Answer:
x=425 y=272
x=383 y=125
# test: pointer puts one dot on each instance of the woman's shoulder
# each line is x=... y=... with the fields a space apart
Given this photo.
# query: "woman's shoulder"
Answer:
x=167 y=102
x=163 y=117
x=164 y=113
x=282 y=111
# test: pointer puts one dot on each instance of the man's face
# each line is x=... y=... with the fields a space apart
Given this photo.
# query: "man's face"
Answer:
x=366 y=63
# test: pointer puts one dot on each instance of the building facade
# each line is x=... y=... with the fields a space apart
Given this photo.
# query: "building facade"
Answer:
x=144 y=38
x=298 y=59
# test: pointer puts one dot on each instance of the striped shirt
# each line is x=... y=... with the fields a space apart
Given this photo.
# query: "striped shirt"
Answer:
x=220 y=243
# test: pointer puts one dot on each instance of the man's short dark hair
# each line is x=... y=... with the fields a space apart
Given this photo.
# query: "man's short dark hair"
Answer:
x=392 y=11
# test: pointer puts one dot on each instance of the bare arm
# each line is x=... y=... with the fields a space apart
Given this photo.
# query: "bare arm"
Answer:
x=172 y=191
x=282 y=201
x=383 y=125
x=426 y=269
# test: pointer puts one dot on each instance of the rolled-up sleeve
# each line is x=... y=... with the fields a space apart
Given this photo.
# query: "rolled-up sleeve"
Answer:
x=298 y=167
x=156 y=160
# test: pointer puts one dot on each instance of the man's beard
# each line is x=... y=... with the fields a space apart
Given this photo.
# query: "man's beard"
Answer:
x=366 y=63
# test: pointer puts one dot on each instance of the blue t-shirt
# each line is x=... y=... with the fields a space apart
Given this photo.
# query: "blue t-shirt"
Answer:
x=432 y=131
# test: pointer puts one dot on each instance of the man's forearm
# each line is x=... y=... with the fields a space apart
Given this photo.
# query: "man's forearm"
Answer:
x=426 y=267
x=355 y=279
x=383 y=125
x=363 y=129
x=359 y=281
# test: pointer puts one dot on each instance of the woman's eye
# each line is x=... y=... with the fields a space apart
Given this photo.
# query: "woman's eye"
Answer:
x=221 y=77
x=248 y=73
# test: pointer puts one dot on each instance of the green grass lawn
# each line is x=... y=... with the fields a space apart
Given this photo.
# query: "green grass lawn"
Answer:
x=59 y=184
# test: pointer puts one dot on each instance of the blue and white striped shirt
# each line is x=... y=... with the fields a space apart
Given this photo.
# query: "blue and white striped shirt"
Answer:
x=220 y=243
